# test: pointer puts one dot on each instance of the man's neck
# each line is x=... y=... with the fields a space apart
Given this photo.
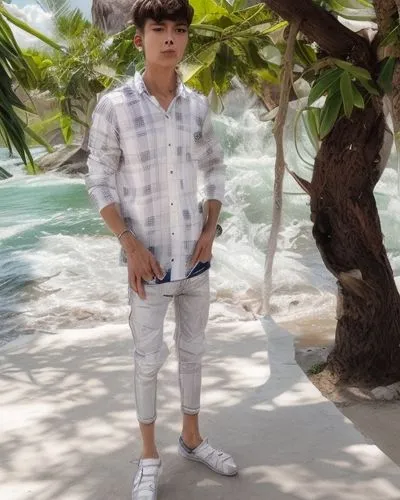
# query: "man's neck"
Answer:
x=160 y=81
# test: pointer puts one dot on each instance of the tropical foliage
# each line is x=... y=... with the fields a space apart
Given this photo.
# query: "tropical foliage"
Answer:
x=13 y=65
x=230 y=41
x=227 y=40
x=73 y=67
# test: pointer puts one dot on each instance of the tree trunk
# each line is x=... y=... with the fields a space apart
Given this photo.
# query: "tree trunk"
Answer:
x=348 y=235
x=346 y=222
x=318 y=25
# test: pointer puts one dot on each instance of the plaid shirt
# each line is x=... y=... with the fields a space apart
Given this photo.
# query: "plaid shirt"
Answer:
x=147 y=160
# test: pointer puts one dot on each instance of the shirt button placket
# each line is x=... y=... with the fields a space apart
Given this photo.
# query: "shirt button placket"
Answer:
x=172 y=185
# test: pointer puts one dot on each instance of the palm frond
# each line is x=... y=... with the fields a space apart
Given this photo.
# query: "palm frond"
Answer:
x=58 y=8
x=12 y=62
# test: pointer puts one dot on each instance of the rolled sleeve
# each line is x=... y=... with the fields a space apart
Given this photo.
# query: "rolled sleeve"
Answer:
x=211 y=163
x=104 y=155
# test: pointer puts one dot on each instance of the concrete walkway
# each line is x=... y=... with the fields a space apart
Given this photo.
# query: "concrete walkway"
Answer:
x=68 y=427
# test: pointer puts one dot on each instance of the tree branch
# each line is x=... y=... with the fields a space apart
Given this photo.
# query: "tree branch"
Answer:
x=321 y=27
x=280 y=163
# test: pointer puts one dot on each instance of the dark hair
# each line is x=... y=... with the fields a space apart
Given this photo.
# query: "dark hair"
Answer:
x=161 y=10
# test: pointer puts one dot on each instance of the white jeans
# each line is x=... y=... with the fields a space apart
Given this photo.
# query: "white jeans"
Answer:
x=191 y=299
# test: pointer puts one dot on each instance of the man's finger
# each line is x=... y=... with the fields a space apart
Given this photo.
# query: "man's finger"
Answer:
x=132 y=283
x=140 y=288
x=196 y=255
x=156 y=269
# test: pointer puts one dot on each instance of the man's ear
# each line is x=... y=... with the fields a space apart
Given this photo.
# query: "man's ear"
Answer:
x=138 y=42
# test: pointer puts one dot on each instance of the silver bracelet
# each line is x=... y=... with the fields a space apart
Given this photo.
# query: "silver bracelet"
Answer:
x=119 y=236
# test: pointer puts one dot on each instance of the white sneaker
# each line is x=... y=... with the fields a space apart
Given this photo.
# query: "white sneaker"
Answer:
x=146 y=480
x=217 y=460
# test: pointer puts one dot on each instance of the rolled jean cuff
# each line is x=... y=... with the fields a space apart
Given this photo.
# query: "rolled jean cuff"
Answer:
x=190 y=411
x=146 y=421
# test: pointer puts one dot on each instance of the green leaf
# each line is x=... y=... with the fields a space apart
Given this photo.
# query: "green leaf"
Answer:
x=347 y=93
x=31 y=168
x=216 y=103
x=209 y=30
x=40 y=140
x=330 y=113
x=305 y=53
x=392 y=37
x=4 y=174
x=205 y=81
x=386 y=75
x=355 y=71
x=227 y=5
x=356 y=10
x=268 y=75
x=198 y=60
x=323 y=84
x=302 y=114
x=239 y=4
x=369 y=87
x=222 y=73
x=358 y=98
x=206 y=8
x=66 y=128
x=257 y=14
x=313 y=124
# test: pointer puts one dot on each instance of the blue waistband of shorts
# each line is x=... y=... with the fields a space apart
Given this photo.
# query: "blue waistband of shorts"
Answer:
x=198 y=269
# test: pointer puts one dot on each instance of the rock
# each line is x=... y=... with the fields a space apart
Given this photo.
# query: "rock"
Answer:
x=384 y=393
x=311 y=356
x=395 y=388
x=70 y=160
x=111 y=16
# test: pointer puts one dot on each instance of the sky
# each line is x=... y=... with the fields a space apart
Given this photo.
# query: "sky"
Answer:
x=83 y=5
x=30 y=12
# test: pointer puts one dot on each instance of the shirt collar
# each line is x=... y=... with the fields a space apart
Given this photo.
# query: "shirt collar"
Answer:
x=181 y=89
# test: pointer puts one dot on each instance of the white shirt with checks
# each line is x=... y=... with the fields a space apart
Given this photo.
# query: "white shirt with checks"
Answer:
x=147 y=161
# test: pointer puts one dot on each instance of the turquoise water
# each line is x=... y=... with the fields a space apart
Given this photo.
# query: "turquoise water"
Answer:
x=59 y=264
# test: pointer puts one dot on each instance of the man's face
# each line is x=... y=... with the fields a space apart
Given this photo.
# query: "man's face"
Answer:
x=163 y=43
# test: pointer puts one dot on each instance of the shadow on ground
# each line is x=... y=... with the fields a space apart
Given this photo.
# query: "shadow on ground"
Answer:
x=69 y=429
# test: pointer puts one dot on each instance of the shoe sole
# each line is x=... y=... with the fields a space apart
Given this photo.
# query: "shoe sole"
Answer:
x=186 y=455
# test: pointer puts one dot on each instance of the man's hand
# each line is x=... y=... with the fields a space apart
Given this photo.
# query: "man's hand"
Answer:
x=203 y=249
x=142 y=265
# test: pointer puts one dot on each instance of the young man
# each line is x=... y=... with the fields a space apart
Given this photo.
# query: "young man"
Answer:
x=149 y=139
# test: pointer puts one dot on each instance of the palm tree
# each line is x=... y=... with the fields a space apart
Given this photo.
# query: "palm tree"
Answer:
x=13 y=66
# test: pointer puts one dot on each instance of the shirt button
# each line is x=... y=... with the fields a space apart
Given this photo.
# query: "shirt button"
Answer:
x=173 y=234
x=172 y=204
x=169 y=144
x=171 y=171
x=166 y=116
x=172 y=260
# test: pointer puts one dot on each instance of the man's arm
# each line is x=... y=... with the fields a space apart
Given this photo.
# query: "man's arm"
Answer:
x=203 y=250
x=104 y=155
x=103 y=164
x=142 y=264
x=211 y=164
